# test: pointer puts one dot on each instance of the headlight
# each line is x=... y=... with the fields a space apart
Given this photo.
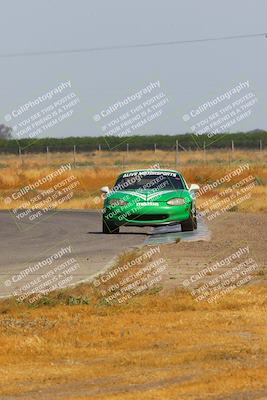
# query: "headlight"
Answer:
x=117 y=202
x=178 y=201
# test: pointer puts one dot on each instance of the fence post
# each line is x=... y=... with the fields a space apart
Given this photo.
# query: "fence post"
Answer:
x=74 y=155
x=127 y=148
x=47 y=151
x=155 y=147
x=176 y=152
x=20 y=156
x=204 y=151
x=233 y=146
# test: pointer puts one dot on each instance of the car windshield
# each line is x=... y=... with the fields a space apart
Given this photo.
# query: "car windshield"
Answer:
x=149 y=181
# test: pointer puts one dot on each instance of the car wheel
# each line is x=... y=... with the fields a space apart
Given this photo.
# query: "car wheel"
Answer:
x=195 y=221
x=188 y=225
x=109 y=227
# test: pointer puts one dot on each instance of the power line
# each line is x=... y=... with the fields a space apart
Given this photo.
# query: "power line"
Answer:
x=130 y=46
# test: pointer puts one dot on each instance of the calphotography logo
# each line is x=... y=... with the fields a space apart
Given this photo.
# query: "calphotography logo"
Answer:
x=224 y=276
x=35 y=201
x=55 y=270
x=219 y=114
x=43 y=113
x=141 y=273
x=130 y=114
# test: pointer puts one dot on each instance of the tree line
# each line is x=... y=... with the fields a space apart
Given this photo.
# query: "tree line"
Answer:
x=242 y=140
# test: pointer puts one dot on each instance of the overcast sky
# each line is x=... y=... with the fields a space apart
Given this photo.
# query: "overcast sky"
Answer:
x=189 y=74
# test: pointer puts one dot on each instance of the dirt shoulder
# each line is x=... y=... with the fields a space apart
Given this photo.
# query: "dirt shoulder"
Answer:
x=229 y=233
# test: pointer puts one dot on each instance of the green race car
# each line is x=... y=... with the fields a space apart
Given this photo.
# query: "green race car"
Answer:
x=151 y=197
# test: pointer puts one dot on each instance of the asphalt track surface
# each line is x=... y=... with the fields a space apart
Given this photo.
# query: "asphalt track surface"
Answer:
x=27 y=243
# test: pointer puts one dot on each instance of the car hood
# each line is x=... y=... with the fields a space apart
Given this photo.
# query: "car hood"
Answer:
x=147 y=195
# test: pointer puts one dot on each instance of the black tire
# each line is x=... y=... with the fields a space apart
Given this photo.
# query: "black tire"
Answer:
x=188 y=225
x=195 y=221
x=109 y=227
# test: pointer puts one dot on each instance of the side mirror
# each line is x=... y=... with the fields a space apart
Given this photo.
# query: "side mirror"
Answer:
x=194 y=187
x=105 y=189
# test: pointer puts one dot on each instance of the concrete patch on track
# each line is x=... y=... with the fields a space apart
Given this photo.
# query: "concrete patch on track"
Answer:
x=170 y=234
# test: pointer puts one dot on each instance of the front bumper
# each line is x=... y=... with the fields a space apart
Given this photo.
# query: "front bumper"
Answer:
x=147 y=216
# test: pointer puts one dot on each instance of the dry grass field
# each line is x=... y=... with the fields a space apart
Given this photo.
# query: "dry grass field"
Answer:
x=72 y=346
x=94 y=170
